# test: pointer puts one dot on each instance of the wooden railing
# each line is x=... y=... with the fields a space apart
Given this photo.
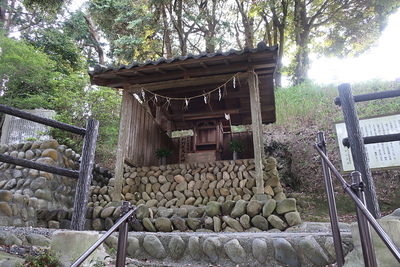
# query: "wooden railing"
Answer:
x=84 y=174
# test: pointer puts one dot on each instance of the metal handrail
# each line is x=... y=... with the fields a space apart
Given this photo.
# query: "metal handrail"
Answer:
x=127 y=214
x=363 y=210
x=331 y=204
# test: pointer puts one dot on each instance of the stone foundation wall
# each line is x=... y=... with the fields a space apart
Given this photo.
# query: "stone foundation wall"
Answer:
x=24 y=191
x=216 y=196
x=195 y=184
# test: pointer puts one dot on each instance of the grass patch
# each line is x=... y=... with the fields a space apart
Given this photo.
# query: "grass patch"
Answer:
x=312 y=105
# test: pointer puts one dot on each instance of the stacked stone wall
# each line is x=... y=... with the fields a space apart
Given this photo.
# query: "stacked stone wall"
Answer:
x=195 y=184
x=25 y=191
x=216 y=196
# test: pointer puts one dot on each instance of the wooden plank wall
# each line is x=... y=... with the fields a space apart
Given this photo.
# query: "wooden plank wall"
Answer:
x=144 y=136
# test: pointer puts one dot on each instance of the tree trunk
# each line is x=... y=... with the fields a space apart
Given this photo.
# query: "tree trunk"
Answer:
x=7 y=14
x=279 y=18
x=302 y=63
x=248 y=25
x=302 y=31
x=96 y=38
x=2 y=15
x=212 y=21
x=178 y=24
x=167 y=33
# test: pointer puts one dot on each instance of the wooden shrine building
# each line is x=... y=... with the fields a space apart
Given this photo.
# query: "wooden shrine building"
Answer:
x=206 y=93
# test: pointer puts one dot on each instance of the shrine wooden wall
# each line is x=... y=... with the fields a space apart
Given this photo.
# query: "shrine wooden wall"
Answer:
x=143 y=136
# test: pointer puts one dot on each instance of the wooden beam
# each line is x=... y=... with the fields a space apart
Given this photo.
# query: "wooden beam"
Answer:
x=124 y=128
x=204 y=65
x=49 y=122
x=207 y=114
x=257 y=129
x=132 y=88
x=176 y=83
x=161 y=71
x=182 y=68
x=217 y=113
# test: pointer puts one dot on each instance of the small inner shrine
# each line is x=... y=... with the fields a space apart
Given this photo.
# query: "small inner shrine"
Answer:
x=207 y=141
x=205 y=95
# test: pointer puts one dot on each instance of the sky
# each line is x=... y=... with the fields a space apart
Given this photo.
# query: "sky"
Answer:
x=381 y=62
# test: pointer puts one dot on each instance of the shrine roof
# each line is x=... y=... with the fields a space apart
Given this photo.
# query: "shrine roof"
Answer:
x=195 y=87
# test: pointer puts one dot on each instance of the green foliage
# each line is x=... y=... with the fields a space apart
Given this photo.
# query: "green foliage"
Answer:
x=312 y=104
x=356 y=29
x=30 y=80
x=76 y=106
x=25 y=74
x=77 y=28
x=23 y=16
x=59 y=47
x=51 y=6
x=29 y=102
x=236 y=146
x=142 y=30
x=42 y=258
x=163 y=152
x=131 y=27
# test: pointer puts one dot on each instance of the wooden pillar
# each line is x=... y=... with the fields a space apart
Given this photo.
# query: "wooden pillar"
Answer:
x=256 y=124
x=124 y=126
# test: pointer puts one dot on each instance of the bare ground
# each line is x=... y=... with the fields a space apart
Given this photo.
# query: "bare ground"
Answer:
x=307 y=177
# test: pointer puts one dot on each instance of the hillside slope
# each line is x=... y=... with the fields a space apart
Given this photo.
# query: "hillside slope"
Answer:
x=301 y=113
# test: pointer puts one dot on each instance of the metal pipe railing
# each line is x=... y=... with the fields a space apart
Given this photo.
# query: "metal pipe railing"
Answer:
x=375 y=139
x=371 y=96
x=379 y=230
x=331 y=204
x=367 y=245
x=123 y=234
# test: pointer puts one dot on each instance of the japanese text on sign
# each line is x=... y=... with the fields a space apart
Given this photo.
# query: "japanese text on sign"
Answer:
x=380 y=155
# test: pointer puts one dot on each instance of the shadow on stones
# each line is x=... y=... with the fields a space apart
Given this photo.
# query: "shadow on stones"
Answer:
x=283 y=157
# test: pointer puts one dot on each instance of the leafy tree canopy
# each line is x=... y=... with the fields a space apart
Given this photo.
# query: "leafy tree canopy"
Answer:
x=25 y=15
x=145 y=29
x=132 y=28
x=59 y=47
x=24 y=71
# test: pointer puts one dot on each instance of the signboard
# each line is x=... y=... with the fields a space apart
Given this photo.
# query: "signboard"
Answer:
x=380 y=155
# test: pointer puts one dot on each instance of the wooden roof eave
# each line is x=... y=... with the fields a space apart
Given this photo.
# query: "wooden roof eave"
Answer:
x=146 y=75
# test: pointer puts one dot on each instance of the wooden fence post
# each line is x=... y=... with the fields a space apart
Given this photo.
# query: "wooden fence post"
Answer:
x=358 y=151
x=85 y=176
